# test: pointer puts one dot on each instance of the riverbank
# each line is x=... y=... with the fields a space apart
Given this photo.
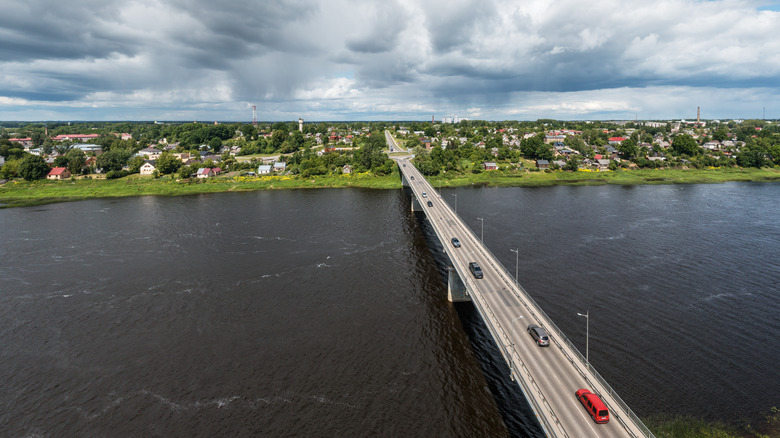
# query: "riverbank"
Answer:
x=19 y=193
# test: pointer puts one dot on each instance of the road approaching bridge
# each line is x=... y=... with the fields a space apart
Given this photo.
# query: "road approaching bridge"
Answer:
x=548 y=377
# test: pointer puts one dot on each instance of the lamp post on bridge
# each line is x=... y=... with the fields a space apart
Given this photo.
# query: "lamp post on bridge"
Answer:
x=456 y=202
x=587 y=334
x=517 y=264
x=512 y=344
x=482 y=234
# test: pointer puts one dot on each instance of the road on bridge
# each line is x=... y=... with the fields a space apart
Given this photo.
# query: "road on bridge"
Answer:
x=549 y=376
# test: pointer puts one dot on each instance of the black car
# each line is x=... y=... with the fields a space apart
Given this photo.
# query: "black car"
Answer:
x=476 y=271
x=412 y=177
x=455 y=242
x=430 y=204
x=539 y=335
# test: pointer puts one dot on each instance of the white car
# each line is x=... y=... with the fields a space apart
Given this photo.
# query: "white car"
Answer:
x=425 y=195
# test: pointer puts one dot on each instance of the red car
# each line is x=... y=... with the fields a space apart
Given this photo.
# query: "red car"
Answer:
x=593 y=405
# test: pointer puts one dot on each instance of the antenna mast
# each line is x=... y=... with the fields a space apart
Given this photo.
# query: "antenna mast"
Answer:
x=254 y=115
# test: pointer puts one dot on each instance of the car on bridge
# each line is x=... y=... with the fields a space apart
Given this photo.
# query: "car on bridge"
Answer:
x=430 y=204
x=593 y=404
x=455 y=242
x=476 y=271
x=412 y=177
x=425 y=195
x=539 y=335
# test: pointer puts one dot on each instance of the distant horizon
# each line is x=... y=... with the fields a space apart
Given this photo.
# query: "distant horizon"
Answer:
x=439 y=121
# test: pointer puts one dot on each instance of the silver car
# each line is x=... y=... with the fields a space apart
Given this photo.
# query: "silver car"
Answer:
x=539 y=335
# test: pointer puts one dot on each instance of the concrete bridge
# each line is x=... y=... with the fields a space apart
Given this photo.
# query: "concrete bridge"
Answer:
x=549 y=376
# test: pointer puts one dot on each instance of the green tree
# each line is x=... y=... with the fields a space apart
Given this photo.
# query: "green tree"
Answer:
x=135 y=163
x=628 y=148
x=573 y=163
x=33 y=167
x=277 y=138
x=76 y=160
x=215 y=144
x=112 y=160
x=685 y=144
x=10 y=169
x=167 y=163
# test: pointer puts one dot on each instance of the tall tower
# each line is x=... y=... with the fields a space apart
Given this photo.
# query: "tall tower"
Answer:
x=300 y=125
x=254 y=115
x=698 y=115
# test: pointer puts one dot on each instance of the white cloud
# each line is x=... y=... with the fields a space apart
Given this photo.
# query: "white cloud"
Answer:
x=408 y=57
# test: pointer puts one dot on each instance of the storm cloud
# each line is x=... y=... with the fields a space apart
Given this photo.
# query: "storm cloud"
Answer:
x=387 y=60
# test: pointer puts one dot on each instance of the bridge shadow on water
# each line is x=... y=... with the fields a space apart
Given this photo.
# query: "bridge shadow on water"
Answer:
x=515 y=411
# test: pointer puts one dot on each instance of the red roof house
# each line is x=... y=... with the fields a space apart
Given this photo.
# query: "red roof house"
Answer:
x=59 y=173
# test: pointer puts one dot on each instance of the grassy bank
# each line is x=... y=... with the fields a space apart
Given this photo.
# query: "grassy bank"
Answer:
x=623 y=177
x=21 y=193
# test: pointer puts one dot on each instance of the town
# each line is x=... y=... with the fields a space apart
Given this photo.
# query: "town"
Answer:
x=184 y=151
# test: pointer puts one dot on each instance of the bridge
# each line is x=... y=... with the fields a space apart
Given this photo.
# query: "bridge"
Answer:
x=549 y=376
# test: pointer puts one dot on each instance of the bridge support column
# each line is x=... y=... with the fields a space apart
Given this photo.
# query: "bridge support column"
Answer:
x=416 y=204
x=456 y=290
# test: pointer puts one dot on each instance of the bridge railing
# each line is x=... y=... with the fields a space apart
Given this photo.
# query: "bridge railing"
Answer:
x=540 y=314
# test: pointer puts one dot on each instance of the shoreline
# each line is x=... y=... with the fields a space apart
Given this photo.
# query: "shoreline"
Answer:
x=19 y=193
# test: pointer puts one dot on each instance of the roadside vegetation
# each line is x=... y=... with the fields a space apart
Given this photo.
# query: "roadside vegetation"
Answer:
x=541 y=153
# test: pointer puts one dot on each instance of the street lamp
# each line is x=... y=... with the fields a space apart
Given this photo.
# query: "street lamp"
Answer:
x=482 y=235
x=587 y=334
x=517 y=263
x=456 y=202
x=511 y=375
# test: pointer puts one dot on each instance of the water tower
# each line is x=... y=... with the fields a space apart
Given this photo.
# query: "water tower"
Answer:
x=300 y=125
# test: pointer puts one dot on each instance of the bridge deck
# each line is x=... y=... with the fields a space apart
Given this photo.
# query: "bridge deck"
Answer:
x=549 y=376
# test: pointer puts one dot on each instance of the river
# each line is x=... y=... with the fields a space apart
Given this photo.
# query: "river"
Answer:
x=324 y=312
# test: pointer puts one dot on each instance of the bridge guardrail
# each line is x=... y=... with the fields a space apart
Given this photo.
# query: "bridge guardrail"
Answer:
x=540 y=314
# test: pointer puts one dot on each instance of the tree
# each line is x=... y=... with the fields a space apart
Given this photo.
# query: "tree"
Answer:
x=215 y=144
x=76 y=160
x=278 y=137
x=135 y=163
x=628 y=148
x=112 y=160
x=685 y=144
x=573 y=163
x=167 y=163
x=33 y=167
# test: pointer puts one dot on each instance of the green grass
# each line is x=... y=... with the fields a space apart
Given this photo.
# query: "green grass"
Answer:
x=523 y=178
x=21 y=193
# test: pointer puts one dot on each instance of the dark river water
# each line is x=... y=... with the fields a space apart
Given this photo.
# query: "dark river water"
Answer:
x=325 y=312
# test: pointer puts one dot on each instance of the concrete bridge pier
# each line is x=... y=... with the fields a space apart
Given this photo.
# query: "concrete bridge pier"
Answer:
x=456 y=290
x=416 y=206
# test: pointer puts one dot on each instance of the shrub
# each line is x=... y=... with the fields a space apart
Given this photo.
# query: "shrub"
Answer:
x=114 y=174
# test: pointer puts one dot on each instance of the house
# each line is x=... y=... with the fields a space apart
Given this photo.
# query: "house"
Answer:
x=347 y=169
x=59 y=173
x=489 y=165
x=542 y=164
x=616 y=140
x=263 y=169
x=151 y=153
x=87 y=148
x=205 y=172
x=147 y=168
x=602 y=164
x=559 y=163
x=280 y=166
x=76 y=137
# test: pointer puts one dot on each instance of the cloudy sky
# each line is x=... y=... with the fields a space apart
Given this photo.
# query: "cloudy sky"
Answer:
x=388 y=59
